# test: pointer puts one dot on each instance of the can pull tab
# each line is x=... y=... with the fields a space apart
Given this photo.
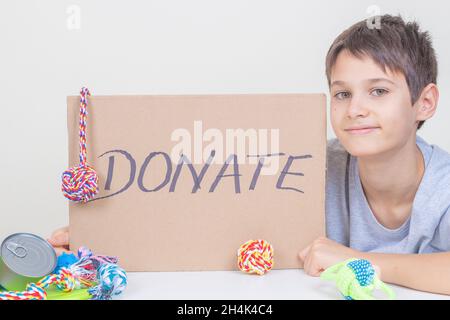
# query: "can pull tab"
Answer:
x=17 y=249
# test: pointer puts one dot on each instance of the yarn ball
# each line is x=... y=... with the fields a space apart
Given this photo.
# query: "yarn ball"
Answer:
x=80 y=183
x=112 y=280
x=255 y=256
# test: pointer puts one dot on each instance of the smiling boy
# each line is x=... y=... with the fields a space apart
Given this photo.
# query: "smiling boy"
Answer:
x=388 y=190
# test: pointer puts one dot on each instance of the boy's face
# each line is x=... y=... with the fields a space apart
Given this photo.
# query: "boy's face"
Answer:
x=364 y=96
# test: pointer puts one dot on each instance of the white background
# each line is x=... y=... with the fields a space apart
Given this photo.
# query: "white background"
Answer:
x=160 y=47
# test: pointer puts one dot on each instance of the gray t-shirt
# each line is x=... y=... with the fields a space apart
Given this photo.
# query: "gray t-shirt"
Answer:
x=426 y=230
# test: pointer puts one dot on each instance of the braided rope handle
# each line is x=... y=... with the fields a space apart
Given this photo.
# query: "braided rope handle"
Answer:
x=84 y=93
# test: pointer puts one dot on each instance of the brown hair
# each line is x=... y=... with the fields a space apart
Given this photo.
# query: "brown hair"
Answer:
x=397 y=45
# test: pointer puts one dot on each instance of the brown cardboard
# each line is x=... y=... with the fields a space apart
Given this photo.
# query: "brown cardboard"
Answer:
x=181 y=230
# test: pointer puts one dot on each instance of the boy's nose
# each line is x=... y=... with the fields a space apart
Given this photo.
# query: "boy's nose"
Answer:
x=357 y=108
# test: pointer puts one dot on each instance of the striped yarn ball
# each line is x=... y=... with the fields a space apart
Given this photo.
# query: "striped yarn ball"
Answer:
x=255 y=256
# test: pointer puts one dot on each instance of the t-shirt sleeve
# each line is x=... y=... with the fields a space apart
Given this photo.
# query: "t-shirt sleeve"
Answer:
x=441 y=239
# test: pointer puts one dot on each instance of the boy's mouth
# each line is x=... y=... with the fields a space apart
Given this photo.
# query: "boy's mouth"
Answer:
x=358 y=130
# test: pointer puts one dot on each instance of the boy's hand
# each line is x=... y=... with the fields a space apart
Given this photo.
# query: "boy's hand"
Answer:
x=60 y=240
x=324 y=253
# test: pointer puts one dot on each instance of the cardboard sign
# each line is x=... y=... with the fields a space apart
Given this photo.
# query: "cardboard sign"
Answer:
x=185 y=180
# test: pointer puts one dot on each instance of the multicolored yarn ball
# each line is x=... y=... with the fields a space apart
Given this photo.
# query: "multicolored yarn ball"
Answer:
x=80 y=183
x=356 y=279
x=112 y=280
x=255 y=256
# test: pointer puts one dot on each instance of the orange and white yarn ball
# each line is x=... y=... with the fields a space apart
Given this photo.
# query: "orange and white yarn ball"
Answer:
x=255 y=256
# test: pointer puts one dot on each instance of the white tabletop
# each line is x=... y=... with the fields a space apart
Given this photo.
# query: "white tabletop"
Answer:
x=227 y=285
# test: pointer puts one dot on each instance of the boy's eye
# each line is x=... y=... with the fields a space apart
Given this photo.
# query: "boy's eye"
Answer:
x=378 y=92
x=342 y=95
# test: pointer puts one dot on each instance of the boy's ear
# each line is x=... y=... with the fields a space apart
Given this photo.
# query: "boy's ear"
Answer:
x=427 y=103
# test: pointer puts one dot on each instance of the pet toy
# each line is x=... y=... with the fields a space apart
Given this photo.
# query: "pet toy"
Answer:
x=255 y=256
x=356 y=279
x=112 y=281
x=80 y=183
x=90 y=277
